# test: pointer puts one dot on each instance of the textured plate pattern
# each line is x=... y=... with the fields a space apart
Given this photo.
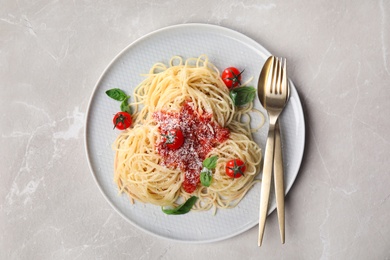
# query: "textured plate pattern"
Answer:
x=225 y=48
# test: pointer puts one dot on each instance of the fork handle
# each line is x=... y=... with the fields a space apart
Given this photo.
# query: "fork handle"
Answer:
x=266 y=181
x=279 y=181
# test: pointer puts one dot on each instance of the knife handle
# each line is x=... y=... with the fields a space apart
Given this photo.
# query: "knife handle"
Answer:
x=279 y=181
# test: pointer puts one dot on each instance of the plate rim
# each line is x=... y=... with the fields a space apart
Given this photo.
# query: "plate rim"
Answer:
x=98 y=82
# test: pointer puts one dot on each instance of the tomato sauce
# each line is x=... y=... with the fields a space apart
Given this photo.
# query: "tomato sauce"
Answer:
x=201 y=134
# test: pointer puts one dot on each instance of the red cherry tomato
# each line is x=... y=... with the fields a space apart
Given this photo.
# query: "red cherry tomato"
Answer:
x=173 y=139
x=122 y=120
x=231 y=77
x=235 y=168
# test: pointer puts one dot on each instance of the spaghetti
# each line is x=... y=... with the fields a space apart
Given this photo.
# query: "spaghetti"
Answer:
x=191 y=96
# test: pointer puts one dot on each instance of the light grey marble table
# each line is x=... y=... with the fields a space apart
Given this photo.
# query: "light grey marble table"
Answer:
x=52 y=54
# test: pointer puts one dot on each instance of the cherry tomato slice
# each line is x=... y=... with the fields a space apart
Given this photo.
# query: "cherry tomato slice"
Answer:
x=231 y=77
x=235 y=168
x=122 y=120
x=173 y=139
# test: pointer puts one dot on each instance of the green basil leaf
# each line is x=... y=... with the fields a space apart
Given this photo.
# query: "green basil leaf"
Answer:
x=211 y=162
x=183 y=208
x=116 y=94
x=233 y=96
x=125 y=105
x=242 y=95
x=206 y=177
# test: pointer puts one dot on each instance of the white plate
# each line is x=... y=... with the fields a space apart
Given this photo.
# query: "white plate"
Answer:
x=225 y=48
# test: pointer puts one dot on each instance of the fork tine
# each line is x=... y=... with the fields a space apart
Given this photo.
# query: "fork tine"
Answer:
x=279 y=83
x=284 y=84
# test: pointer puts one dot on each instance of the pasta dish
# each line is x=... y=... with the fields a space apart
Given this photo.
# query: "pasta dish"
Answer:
x=184 y=119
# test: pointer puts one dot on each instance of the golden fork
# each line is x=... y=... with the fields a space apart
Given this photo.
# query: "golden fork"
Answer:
x=278 y=161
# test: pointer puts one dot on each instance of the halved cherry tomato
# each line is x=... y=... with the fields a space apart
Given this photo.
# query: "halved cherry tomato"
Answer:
x=122 y=120
x=173 y=139
x=231 y=77
x=235 y=168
